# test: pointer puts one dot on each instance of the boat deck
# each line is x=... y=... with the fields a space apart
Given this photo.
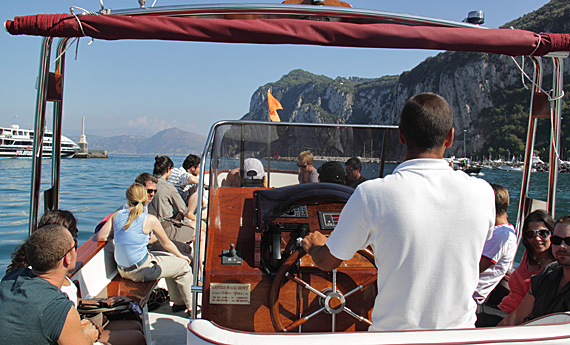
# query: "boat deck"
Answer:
x=168 y=328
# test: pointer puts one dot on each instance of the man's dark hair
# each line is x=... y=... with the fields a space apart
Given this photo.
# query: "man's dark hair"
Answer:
x=502 y=199
x=61 y=217
x=161 y=165
x=425 y=122
x=46 y=246
x=331 y=172
x=144 y=178
x=355 y=163
x=191 y=161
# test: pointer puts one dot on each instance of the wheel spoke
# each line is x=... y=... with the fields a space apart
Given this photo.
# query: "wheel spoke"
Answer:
x=305 y=285
x=362 y=286
x=333 y=322
x=334 y=280
x=302 y=320
x=356 y=316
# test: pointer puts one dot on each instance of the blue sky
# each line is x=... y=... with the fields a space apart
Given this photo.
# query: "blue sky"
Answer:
x=140 y=88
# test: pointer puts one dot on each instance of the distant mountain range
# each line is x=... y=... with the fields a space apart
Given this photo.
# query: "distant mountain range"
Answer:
x=172 y=141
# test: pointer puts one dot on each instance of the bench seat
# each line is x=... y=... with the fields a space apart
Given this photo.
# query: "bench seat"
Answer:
x=138 y=292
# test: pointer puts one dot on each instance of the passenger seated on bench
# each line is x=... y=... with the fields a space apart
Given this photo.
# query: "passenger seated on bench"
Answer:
x=185 y=179
x=131 y=229
x=254 y=175
x=149 y=182
x=32 y=308
x=120 y=332
x=536 y=231
x=498 y=255
x=331 y=172
x=168 y=206
x=550 y=289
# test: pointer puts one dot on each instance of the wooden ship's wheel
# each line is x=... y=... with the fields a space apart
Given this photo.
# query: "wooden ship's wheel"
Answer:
x=331 y=299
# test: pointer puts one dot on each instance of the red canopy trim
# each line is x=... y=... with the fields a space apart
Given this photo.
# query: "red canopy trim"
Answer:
x=291 y=31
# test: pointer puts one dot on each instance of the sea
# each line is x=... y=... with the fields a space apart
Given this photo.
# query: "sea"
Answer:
x=94 y=188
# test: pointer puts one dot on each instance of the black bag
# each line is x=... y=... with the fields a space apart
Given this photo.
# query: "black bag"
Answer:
x=157 y=298
x=113 y=308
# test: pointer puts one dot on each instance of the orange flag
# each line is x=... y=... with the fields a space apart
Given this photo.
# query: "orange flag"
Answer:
x=273 y=104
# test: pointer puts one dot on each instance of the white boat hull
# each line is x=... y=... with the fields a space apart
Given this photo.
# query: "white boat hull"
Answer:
x=551 y=330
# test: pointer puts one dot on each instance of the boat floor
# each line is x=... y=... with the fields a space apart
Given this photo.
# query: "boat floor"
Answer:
x=168 y=328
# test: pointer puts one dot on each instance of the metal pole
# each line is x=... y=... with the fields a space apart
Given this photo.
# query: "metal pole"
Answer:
x=41 y=100
x=556 y=110
x=529 y=147
x=57 y=128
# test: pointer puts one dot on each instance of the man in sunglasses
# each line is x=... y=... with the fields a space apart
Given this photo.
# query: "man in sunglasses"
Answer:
x=426 y=223
x=33 y=310
x=149 y=182
x=352 y=168
x=550 y=289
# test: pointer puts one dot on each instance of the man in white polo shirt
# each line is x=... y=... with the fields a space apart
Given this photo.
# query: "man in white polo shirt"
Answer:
x=426 y=224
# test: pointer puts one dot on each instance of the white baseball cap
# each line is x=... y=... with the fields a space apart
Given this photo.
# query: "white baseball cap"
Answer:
x=253 y=169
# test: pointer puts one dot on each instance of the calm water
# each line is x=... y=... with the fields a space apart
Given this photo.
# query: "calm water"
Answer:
x=93 y=188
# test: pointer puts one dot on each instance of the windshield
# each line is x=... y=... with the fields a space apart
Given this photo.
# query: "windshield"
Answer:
x=277 y=146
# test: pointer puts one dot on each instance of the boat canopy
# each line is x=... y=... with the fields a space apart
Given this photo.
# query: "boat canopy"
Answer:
x=386 y=33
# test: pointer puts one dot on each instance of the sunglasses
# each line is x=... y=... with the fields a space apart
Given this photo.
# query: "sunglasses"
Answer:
x=532 y=233
x=70 y=249
x=348 y=170
x=557 y=240
x=151 y=191
x=302 y=166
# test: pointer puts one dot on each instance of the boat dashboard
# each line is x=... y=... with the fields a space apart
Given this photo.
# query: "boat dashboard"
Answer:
x=255 y=264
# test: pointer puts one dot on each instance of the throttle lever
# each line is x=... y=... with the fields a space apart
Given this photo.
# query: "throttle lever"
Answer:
x=302 y=230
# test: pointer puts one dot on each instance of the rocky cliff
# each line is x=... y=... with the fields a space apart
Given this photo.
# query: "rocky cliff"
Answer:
x=478 y=87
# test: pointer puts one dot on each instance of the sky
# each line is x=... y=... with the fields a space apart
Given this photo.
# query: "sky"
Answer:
x=142 y=87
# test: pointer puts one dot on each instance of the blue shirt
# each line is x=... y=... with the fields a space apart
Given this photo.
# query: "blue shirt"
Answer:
x=130 y=244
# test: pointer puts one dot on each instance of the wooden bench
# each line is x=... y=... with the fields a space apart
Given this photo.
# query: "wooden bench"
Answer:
x=96 y=276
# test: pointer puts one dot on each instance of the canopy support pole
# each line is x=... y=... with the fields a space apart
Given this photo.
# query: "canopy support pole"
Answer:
x=524 y=202
x=57 y=129
x=556 y=118
x=39 y=125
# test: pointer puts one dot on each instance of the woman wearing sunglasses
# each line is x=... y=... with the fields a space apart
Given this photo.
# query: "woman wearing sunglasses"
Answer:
x=536 y=232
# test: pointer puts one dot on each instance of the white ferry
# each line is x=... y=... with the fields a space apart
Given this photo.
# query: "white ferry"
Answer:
x=16 y=142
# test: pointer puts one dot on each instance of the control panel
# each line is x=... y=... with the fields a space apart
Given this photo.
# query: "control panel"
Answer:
x=328 y=219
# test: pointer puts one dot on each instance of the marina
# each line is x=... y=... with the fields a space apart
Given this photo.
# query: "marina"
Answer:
x=252 y=281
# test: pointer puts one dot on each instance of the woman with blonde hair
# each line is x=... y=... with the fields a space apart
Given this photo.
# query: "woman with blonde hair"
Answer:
x=131 y=229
